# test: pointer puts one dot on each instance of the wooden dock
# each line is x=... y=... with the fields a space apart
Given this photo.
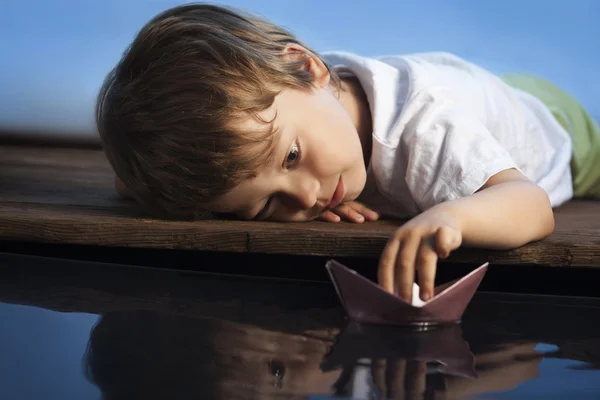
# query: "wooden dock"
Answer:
x=66 y=195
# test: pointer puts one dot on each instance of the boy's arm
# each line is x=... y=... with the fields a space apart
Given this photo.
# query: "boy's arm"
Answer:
x=507 y=212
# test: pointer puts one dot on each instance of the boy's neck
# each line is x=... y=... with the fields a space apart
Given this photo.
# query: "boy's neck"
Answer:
x=354 y=100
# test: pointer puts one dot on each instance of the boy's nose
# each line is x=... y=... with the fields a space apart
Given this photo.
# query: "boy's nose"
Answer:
x=305 y=192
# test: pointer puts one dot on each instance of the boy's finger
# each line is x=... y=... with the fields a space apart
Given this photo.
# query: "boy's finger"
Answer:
x=405 y=266
x=426 y=267
x=347 y=212
x=446 y=240
x=328 y=216
x=370 y=215
x=367 y=212
x=355 y=215
x=387 y=263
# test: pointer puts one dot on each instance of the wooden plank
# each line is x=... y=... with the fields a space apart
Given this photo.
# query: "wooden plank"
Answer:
x=60 y=195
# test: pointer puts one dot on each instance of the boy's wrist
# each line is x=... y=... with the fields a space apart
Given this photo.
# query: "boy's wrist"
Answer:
x=450 y=213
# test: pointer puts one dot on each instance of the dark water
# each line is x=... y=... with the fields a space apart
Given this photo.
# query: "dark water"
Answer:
x=74 y=330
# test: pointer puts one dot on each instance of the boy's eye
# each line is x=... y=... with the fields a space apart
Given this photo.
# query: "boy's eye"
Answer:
x=293 y=155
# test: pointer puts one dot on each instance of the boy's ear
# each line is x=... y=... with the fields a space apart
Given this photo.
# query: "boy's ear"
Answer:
x=312 y=63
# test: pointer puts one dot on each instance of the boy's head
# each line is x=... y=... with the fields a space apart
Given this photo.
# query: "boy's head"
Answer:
x=212 y=111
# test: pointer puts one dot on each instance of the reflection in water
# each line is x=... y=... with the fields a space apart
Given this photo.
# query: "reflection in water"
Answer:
x=152 y=355
x=398 y=360
x=40 y=354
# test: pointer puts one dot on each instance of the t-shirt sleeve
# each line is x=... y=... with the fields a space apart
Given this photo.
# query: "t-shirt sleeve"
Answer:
x=451 y=154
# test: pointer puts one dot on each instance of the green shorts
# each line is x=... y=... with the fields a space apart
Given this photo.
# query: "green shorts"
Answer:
x=584 y=131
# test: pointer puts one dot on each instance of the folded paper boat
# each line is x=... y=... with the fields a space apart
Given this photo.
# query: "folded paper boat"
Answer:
x=367 y=302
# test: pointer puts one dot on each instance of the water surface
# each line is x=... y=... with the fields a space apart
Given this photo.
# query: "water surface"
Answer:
x=76 y=330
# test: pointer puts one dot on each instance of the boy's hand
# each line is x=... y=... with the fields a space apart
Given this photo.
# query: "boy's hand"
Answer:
x=352 y=211
x=416 y=247
x=507 y=212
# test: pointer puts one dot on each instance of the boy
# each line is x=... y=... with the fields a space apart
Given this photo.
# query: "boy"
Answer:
x=213 y=112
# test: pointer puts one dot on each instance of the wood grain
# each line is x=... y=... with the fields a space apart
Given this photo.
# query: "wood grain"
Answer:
x=66 y=195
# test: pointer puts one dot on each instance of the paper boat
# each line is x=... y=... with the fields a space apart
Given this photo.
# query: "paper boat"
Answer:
x=443 y=347
x=367 y=302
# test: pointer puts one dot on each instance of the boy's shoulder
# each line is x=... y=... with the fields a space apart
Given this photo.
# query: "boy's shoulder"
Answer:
x=428 y=57
x=438 y=58
x=440 y=69
x=427 y=68
x=404 y=78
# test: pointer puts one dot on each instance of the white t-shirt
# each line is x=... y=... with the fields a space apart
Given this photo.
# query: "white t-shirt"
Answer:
x=443 y=126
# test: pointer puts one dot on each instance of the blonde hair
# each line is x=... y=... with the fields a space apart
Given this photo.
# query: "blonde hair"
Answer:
x=167 y=113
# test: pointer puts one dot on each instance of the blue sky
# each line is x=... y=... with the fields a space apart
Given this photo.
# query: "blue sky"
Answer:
x=56 y=53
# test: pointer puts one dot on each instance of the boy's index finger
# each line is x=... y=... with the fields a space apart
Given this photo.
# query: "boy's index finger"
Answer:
x=387 y=263
x=426 y=266
x=405 y=266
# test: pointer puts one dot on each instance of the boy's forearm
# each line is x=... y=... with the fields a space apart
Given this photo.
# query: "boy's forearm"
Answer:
x=503 y=216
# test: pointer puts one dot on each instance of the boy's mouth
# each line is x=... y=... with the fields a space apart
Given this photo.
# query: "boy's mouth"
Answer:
x=338 y=195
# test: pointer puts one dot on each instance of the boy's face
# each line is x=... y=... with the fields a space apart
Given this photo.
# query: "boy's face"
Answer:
x=317 y=164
